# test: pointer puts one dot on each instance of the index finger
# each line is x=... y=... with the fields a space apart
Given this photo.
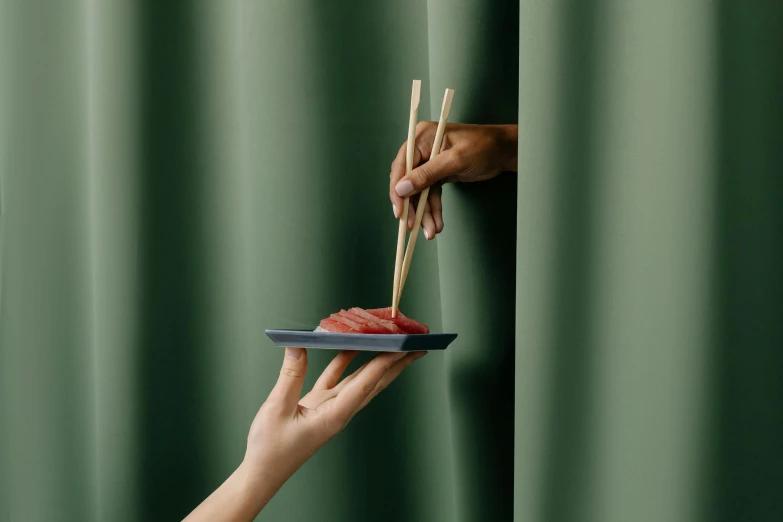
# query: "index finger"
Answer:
x=351 y=397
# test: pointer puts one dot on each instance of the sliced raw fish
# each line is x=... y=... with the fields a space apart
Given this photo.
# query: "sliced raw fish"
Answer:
x=336 y=327
x=375 y=321
x=406 y=323
x=389 y=325
x=361 y=328
x=367 y=326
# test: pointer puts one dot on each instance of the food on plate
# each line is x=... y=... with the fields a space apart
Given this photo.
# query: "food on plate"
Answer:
x=376 y=321
x=328 y=325
x=356 y=323
x=406 y=323
x=388 y=326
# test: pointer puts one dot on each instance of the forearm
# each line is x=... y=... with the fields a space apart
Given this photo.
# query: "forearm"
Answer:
x=239 y=499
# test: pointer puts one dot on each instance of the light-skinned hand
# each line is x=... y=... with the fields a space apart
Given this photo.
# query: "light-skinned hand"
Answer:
x=288 y=429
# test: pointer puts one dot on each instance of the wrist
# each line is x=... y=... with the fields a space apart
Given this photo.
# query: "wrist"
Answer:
x=507 y=145
x=253 y=485
x=240 y=497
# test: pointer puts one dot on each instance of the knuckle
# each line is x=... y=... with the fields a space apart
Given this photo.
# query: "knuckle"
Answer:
x=422 y=176
x=425 y=127
x=367 y=389
x=292 y=372
x=458 y=157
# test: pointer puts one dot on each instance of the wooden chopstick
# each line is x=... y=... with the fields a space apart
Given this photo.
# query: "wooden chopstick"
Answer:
x=415 y=98
x=406 y=264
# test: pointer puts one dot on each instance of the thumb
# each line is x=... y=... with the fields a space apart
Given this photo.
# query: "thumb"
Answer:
x=426 y=175
x=288 y=389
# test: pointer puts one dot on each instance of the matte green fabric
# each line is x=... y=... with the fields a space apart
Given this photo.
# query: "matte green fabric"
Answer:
x=177 y=176
x=649 y=374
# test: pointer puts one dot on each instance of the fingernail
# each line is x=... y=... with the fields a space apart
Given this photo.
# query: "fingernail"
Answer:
x=293 y=353
x=396 y=213
x=404 y=188
x=426 y=234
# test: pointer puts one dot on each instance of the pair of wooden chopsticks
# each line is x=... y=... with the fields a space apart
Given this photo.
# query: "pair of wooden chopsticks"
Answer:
x=402 y=264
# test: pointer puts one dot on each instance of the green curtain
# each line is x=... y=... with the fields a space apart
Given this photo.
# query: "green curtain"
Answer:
x=649 y=373
x=177 y=176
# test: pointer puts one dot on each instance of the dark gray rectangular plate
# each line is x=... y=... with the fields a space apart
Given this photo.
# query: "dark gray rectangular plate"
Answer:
x=366 y=342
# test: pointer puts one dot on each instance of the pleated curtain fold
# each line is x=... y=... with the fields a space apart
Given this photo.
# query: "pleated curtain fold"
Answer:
x=175 y=177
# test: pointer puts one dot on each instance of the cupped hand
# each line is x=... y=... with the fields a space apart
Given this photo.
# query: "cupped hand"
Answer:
x=288 y=429
x=468 y=153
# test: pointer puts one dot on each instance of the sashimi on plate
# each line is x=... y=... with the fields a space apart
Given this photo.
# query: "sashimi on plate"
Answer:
x=371 y=330
x=378 y=321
